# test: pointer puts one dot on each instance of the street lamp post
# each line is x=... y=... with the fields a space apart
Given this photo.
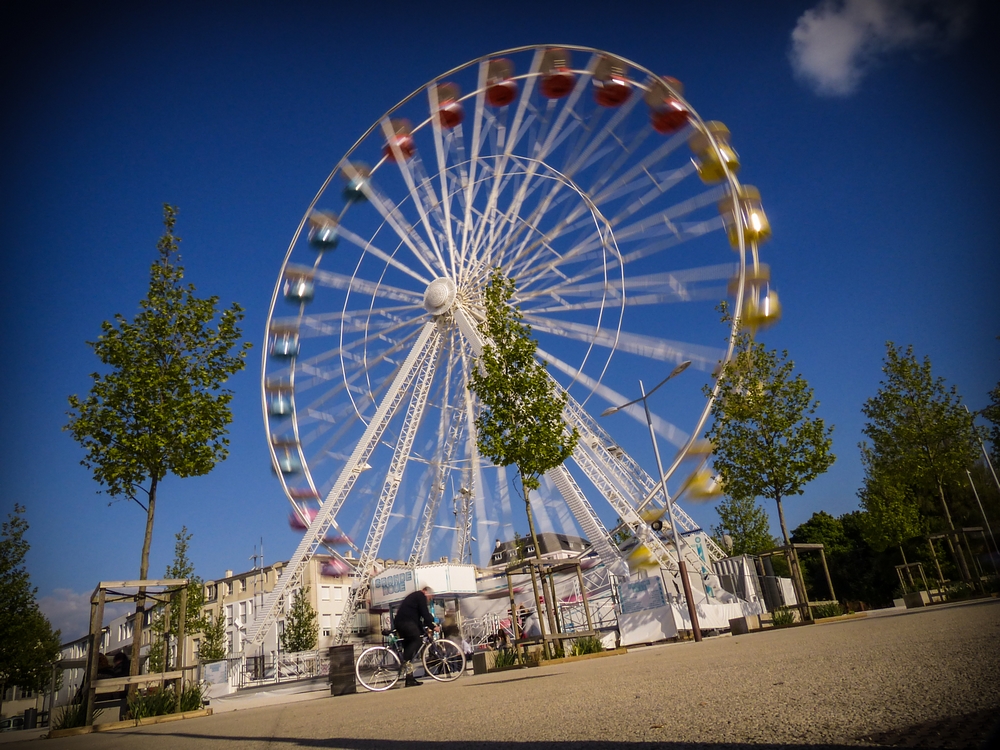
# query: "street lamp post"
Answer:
x=681 y=565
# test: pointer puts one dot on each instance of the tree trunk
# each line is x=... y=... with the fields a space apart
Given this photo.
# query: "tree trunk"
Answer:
x=140 y=602
x=907 y=568
x=538 y=557
x=797 y=580
x=955 y=553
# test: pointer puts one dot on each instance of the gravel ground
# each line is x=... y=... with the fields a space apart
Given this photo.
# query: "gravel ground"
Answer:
x=923 y=678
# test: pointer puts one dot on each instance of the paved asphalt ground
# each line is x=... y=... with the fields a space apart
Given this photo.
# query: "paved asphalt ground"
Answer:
x=923 y=678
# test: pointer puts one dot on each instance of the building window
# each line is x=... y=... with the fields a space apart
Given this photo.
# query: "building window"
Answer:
x=325 y=624
x=324 y=593
x=338 y=593
x=243 y=584
x=211 y=592
x=229 y=615
x=229 y=588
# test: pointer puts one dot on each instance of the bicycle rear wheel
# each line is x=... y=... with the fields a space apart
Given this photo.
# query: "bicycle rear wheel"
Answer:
x=443 y=660
x=378 y=668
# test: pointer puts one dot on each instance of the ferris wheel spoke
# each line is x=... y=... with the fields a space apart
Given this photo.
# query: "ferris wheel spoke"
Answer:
x=477 y=133
x=608 y=171
x=644 y=165
x=581 y=158
x=346 y=350
x=665 y=429
x=320 y=322
x=702 y=357
x=442 y=163
x=403 y=163
x=671 y=286
x=403 y=229
x=552 y=137
x=683 y=208
x=343 y=282
x=508 y=144
x=369 y=247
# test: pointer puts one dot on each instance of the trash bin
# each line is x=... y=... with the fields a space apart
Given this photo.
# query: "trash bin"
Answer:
x=342 y=670
x=30 y=718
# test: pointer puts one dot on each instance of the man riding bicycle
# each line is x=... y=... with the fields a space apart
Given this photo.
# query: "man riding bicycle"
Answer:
x=411 y=618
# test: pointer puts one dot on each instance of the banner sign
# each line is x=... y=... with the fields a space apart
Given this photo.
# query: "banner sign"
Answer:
x=641 y=595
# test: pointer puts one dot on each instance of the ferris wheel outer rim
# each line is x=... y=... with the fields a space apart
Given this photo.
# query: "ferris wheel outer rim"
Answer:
x=695 y=120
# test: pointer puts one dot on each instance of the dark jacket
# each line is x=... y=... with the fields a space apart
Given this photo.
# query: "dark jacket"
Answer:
x=413 y=610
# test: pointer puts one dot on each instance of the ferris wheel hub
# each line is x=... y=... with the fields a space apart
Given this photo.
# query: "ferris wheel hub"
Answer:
x=439 y=296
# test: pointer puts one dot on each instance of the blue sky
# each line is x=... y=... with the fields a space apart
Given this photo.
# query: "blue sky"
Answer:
x=873 y=146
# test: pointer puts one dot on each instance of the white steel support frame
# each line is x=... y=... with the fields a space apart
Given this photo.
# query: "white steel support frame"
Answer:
x=291 y=575
x=619 y=490
x=590 y=523
x=414 y=413
x=448 y=440
x=420 y=544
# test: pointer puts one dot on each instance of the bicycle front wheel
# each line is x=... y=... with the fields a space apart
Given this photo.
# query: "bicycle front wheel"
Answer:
x=378 y=668
x=443 y=660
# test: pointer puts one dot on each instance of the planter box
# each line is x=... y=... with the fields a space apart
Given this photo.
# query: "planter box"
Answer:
x=743 y=625
x=916 y=599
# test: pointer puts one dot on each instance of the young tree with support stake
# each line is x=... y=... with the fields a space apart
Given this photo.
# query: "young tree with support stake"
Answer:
x=521 y=421
x=891 y=517
x=921 y=437
x=160 y=406
x=766 y=441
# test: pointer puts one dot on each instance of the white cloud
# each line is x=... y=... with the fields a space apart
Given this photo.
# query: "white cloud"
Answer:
x=835 y=43
x=69 y=612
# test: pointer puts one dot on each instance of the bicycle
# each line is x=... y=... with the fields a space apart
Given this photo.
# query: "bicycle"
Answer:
x=380 y=667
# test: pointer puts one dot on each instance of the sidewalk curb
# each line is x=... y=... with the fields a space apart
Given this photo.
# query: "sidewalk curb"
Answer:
x=113 y=725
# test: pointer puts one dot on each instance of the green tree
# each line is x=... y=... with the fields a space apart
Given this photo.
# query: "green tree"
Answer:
x=213 y=644
x=300 y=633
x=992 y=413
x=766 y=441
x=746 y=524
x=160 y=406
x=521 y=420
x=921 y=439
x=27 y=642
x=891 y=517
x=860 y=575
x=180 y=567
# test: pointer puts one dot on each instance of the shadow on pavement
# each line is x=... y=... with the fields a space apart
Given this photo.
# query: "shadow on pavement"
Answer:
x=343 y=743
x=512 y=679
x=970 y=730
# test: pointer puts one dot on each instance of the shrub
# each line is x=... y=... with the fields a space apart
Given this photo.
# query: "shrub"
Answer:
x=505 y=657
x=833 y=609
x=960 y=590
x=73 y=715
x=589 y=645
x=160 y=701
x=192 y=697
x=782 y=616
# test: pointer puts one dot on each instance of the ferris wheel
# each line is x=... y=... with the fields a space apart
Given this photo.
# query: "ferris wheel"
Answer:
x=594 y=185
